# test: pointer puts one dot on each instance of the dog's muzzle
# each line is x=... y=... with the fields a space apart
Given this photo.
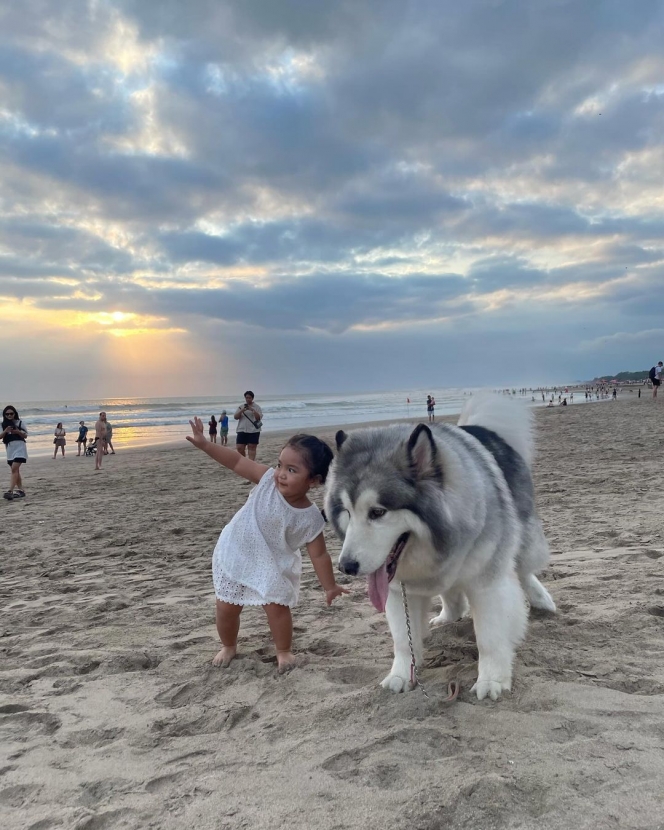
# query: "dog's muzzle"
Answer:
x=349 y=566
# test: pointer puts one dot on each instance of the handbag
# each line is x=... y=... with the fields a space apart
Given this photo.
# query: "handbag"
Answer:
x=257 y=424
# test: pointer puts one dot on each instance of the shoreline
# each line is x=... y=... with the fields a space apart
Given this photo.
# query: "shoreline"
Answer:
x=450 y=417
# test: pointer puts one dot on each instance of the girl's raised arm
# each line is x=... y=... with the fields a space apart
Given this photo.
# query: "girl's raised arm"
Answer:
x=244 y=467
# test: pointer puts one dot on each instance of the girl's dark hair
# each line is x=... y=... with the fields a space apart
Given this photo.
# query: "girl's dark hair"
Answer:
x=213 y=420
x=316 y=454
x=6 y=422
x=13 y=409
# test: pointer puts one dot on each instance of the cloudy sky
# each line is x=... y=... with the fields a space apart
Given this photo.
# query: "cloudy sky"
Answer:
x=291 y=195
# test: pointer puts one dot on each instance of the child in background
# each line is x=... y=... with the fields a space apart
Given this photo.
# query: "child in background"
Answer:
x=257 y=560
x=223 y=428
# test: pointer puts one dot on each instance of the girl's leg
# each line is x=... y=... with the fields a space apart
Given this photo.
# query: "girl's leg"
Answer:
x=228 y=624
x=16 y=478
x=281 y=625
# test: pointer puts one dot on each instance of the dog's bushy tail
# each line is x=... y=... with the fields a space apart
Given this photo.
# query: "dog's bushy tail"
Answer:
x=511 y=420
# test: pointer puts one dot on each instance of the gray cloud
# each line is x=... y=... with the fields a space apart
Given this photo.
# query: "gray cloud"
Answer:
x=387 y=164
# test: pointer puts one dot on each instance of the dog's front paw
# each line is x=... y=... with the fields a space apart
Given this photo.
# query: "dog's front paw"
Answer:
x=490 y=688
x=396 y=683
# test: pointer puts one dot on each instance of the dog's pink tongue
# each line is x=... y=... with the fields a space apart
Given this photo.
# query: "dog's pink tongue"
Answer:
x=378 y=588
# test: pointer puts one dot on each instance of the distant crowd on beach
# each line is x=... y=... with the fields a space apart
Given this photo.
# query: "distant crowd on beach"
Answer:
x=564 y=395
x=249 y=417
x=101 y=444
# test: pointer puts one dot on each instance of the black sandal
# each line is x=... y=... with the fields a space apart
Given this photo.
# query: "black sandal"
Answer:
x=19 y=494
x=9 y=495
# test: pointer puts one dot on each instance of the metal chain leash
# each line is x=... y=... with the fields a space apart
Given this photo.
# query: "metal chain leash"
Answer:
x=414 y=677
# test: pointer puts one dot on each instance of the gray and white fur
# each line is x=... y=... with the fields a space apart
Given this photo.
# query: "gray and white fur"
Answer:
x=462 y=497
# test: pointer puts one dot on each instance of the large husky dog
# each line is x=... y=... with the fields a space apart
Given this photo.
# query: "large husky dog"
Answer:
x=447 y=510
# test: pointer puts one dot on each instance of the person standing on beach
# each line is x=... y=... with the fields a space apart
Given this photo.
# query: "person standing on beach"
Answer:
x=82 y=437
x=249 y=419
x=100 y=438
x=212 y=429
x=109 y=439
x=257 y=559
x=59 y=440
x=655 y=378
x=223 y=428
x=13 y=437
x=430 y=408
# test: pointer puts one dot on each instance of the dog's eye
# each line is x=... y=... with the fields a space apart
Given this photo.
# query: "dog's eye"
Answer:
x=377 y=512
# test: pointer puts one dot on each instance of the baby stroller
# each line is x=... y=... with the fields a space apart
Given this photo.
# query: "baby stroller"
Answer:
x=91 y=448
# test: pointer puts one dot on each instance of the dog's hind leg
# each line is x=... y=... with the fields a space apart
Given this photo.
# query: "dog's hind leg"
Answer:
x=537 y=594
x=398 y=680
x=500 y=619
x=455 y=606
x=532 y=557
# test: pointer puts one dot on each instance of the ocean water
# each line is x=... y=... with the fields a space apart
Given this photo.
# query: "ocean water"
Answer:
x=144 y=421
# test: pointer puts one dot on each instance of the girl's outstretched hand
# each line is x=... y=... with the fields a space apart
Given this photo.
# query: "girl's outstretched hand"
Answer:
x=198 y=435
x=335 y=592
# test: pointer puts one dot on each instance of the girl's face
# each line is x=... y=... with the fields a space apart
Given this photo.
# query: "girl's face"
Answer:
x=9 y=414
x=292 y=475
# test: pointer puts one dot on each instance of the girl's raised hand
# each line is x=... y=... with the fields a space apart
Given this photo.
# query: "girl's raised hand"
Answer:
x=197 y=438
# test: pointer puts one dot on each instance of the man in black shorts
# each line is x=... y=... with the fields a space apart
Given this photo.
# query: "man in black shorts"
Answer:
x=249 y=419
x=655 y=377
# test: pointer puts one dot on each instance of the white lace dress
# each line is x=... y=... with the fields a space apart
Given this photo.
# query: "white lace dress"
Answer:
x=257 y=559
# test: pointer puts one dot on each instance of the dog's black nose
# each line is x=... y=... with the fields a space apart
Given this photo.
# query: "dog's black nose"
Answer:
x=350 y=567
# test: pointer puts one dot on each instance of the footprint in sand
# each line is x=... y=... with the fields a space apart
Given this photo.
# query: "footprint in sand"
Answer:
x=391 y=760
x=19 y=726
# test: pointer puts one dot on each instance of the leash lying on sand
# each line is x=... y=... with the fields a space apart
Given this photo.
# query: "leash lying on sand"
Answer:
x=453 y=685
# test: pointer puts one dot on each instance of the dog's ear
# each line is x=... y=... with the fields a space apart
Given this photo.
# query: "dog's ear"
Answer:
x=340 y=437
x=422 y=453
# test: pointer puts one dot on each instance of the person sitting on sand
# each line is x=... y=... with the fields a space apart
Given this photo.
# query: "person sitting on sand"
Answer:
x=257 y=559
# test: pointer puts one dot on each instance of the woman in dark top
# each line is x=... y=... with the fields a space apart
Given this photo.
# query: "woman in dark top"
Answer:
x=213 y=429
x=13 y=437
x=82 y=437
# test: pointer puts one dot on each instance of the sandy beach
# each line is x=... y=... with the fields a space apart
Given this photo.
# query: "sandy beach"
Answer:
x=111 y=715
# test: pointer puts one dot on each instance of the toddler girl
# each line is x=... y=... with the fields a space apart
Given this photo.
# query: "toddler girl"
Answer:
x=257 y=558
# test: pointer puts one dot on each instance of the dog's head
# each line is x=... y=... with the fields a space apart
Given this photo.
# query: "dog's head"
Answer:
x=376 y=490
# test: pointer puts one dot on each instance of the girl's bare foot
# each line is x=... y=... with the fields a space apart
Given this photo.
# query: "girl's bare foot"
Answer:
x=285 y=661
x=224 y=657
